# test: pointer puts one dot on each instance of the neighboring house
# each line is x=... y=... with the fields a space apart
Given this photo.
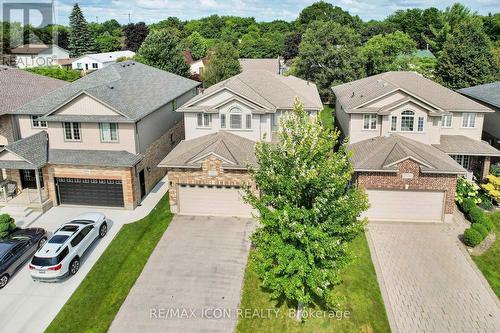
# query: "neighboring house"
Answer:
x=98 y=140
x=411 y=139
x=38 y=55
x=208 y=169
x=99 y=60
x=19 y=87
x=488 y=95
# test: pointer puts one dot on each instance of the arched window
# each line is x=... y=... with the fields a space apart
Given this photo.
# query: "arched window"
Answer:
x=407 y=121
x=235 y=118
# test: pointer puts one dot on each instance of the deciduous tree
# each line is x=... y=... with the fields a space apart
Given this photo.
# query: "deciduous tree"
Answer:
x=222 y=64
x=135 y=34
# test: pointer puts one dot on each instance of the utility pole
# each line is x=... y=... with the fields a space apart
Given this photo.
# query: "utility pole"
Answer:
x=129 y=18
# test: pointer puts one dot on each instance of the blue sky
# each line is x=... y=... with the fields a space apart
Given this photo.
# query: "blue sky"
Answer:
x=263 y=10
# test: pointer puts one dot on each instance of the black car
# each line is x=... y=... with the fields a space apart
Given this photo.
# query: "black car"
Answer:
x=17 y=248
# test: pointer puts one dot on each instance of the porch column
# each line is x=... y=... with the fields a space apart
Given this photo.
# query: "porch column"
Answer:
x=486 y=167
x=38 y=184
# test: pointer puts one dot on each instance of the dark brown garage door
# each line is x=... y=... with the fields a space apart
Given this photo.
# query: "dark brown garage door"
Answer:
x=90 y=192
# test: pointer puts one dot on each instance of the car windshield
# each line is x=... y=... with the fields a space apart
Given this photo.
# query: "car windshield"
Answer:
x=58 y=239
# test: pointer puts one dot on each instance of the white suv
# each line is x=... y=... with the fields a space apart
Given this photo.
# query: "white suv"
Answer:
x=61 y=254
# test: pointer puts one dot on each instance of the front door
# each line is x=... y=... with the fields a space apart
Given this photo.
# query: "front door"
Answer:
x=142 y=183
x=28 y=178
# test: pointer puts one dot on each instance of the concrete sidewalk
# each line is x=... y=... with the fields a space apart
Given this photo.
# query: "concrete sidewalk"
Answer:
x=192 y=281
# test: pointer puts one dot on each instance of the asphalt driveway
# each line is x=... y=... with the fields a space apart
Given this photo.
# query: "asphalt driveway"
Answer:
x=428 y=281
x=192 y=281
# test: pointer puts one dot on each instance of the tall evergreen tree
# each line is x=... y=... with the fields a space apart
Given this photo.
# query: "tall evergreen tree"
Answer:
x=467 y=59
x=80 y=38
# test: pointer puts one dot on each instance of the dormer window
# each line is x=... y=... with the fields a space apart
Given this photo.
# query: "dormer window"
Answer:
x=407 y=121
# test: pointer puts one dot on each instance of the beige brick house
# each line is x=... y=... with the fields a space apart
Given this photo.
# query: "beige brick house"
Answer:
x=411 y=138
x=98 y=140
x=208 y=170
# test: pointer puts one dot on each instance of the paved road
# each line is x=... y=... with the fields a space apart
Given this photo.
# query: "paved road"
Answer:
x=428 y=282
x=192 y=281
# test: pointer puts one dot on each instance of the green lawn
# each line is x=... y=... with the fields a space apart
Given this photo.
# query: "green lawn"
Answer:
x=326 y=115
x=93 y=306
x=489 y=262
x=359 y=289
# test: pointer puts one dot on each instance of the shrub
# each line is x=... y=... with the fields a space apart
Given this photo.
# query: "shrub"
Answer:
x=488 y=224
x=7 y=225
x=481 y=229
x=468 y=204
x=495 y=170
x=493 y=187
x=472 y=237
x=467 y=189
x=476 y=214
x=486 y=202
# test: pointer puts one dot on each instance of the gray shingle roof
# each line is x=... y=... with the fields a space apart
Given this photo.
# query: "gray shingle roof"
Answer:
x=93 y=157
x=271 y=90
x=19 y=87
x=356 y=93
x=271 y=65
x=383 y=153
x=462 y=145
x=133 y=89
x=488 y=93
x=234 y=149
x=33 y=149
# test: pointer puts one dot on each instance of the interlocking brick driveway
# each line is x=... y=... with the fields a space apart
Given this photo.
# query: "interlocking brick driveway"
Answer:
x=428 y=282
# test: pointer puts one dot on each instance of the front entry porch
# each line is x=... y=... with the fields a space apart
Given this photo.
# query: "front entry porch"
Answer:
x=24 y=188
x=477 y=167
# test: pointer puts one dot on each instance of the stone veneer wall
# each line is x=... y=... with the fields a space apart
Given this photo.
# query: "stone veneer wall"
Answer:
x=218 y=176
x=420 y=181
x=155 y=153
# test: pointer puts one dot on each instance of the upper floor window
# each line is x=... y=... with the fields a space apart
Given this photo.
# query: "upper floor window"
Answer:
x=369 y=121
x=222 y=120
x=236 y=119
x=204 y=119
x=72 y=131
x=407 y=121
x=35 y=123
x=420 y=124
x=109 y=132
x=394 y=123
x=446 y=120
x=94 y=65
x=468 y=120
x=248 y=121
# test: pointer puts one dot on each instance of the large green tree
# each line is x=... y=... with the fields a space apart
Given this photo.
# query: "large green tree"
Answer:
x=389 y=52
x=80 y=38
x=135 y=34
x=324 y=11
x=467 y=59
x=161 y=49
x=328 y=55
x=196 y=44
x=222 y=64
x=308 y=212
x=108 y=43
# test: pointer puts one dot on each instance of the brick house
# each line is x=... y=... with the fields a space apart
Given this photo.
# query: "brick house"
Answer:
x=411 y=139
x=98 y=140
x=207 y=171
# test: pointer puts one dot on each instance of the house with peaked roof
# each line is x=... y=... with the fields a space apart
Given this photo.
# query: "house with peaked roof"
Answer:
x=207 y=170
x=96 y=61
x=488 y=95
x=411 y=138
x=98 y=140
x=38 y=55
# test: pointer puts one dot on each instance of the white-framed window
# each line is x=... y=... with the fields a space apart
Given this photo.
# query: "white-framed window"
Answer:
x=94 y=65
x=420 y=124
x=222 y=120
x=248 y=121
x=72 y=131
x=109 y=132
x=446 y=120
x=407 y=121
x=468 y=120
x=236 y=118
x=394 y=123
x=370 y=121
x=79 y=65
x=463 y=160
x=35 y=123
x=204 y=119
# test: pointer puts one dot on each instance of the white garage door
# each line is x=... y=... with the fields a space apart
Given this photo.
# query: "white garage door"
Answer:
x=217 y=201
x=412 y=206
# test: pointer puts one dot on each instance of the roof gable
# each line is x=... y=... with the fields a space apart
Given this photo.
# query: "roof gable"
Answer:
x=84 y=104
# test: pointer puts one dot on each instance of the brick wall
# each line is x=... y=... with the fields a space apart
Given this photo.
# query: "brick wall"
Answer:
x=420 y=181
x=155 y=153
x=217 y=176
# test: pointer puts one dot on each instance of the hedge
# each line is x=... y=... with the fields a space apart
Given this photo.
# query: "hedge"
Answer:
x=481 y=229
x=467 y=205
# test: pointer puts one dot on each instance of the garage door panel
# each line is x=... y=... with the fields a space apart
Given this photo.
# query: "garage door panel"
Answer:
x=425 y=206
x=217 y=201
x=90 y=192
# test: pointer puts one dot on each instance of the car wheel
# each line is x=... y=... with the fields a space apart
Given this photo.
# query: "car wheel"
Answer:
x=41 y=242
x=74 y=266
x=103 y=230
x=4 y=280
